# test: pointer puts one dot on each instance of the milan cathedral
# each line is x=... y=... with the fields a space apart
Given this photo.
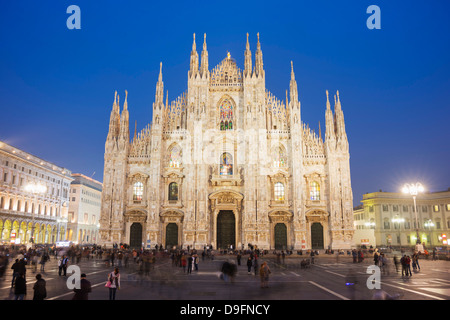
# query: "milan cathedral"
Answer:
x=227 y=164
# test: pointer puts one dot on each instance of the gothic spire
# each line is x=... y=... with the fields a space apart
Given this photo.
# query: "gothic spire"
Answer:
x=258 y=59
x=329 y=122
x=114 y=118
x=194 y=59
x=248 y=59
x=124 y=119
x=293 y=86
x=204 y=65
x=159 y=95
x=339 y=119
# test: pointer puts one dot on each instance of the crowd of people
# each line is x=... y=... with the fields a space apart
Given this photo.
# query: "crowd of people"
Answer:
x=142 y=262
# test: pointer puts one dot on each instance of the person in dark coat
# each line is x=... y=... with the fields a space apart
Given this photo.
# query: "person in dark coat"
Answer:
x=20 y=287
x=85 y=288
x=40 y=291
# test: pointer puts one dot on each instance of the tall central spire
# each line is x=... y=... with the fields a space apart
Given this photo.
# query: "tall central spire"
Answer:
x=159 y=96
x=194 y=60
x=293 y=86
x=248 y=59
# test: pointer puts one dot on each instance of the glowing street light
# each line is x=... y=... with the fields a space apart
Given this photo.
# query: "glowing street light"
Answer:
x=414 y=190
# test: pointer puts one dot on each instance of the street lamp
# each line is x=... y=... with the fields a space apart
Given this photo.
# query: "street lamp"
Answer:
x=413 y=190
x=36 y=189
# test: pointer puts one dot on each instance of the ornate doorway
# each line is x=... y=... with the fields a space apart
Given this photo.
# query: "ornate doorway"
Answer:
x=316 y=236
x=171 y=235
x=226 y=229
x=136 y=235
x=280 y=236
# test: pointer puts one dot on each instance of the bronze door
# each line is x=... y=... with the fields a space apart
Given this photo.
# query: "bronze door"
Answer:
x=316 y=236
x=226 y=229
x=136 y=235
x=280 y=236
x=171 y=235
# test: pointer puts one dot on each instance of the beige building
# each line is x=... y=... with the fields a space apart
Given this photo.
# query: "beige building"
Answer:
x=84 y=209
x=391 y=218
x=227 y=163
x=24 y=213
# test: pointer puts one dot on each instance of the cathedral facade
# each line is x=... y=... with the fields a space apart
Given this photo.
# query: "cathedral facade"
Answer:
x=227 y=164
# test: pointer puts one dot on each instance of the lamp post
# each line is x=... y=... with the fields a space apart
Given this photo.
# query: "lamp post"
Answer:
x=413 y=190
x=36 y=189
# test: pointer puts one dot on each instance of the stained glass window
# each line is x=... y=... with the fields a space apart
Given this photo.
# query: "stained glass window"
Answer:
x=226 y=164
x=314 y=191
x=279 y=191
x=226 y=115
x=138 y=191
x=279 y=159
x=175 y=157
x=173 y=191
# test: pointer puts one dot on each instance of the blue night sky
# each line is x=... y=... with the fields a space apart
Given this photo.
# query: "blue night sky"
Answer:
x=57 y=85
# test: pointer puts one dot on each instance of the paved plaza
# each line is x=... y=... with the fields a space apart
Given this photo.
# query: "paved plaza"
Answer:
x=324 y=280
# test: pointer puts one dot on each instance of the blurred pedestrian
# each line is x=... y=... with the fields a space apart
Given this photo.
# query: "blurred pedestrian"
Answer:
x=415 y=259
x=39 y=288
x=16 y=270
x=249 y=265
x=264 y=273
x=85 y=288
x=20 y=287
x=255 y=265
x=189 y=264
x=183 y=263
x=62 y=265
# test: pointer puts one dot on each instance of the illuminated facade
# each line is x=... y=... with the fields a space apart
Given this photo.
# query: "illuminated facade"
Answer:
x=391 y=218
x=24 y=214
x=227 y=163
x=84 y=209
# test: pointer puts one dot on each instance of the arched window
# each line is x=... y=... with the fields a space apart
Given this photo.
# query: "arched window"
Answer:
x=173 y=191
x=226 y=164
x=175 y=157
x=226 y=115
x=279 y=191
x=314 y=191
x=279 y=157
x=138 y=191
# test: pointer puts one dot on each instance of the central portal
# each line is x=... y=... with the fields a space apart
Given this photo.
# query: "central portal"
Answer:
x=226 y=229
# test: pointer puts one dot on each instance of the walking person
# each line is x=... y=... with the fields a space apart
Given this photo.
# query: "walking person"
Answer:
x=39 y=288
x=44 y=259
x=20 y=287
x=396 y=263
x=403 y=263
x=114 y=283
x=255 y=265
x=408 y=266
x=16 y=269
x=62 y=265
x=85 y=289
x=183 y=263
x=196 y=262
x=189 y=264
x=264 y=275
x=249 y=265
x=416 y=260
